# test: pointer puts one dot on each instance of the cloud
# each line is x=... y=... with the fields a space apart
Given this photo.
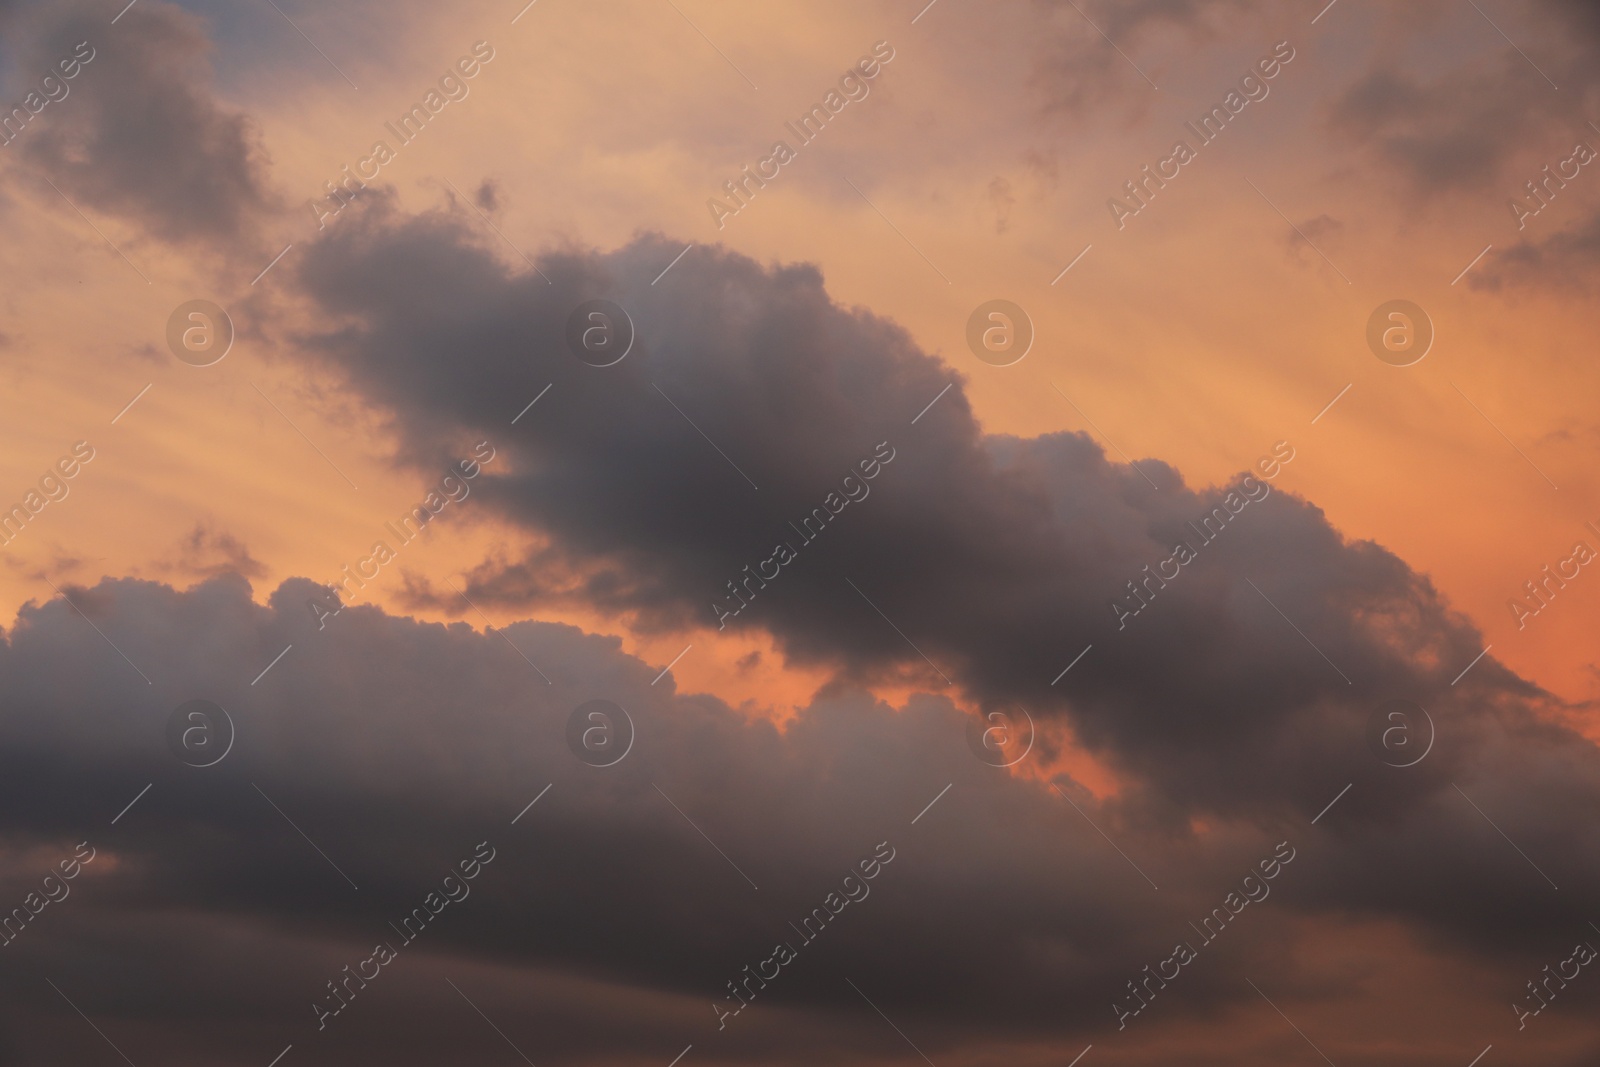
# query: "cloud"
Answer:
x=206 y=553
x=1477 y=113
x=1231 y=709
x=1075 y=68
x=488 y=195
x=1311 y=234
x=396 y=746
x=1002 y=200
x=1241 y=692
x=1456 y=131
x=140 y=134
x=634 y=511
x=999 y=559
x=1568 y=259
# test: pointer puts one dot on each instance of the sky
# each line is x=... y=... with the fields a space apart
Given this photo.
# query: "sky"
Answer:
x=886 y=533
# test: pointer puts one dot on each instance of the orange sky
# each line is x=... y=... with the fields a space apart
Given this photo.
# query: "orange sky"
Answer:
x=1200 y=334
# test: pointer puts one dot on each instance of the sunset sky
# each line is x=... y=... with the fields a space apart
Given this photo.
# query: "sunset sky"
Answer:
x=393 y=224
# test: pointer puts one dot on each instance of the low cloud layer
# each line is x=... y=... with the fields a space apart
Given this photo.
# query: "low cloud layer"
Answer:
x=397 y=747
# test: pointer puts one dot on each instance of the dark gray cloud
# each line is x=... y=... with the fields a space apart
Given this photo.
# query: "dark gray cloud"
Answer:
x=397 y=745
x=999 y=558
x=139 y=133
x=606 y=924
